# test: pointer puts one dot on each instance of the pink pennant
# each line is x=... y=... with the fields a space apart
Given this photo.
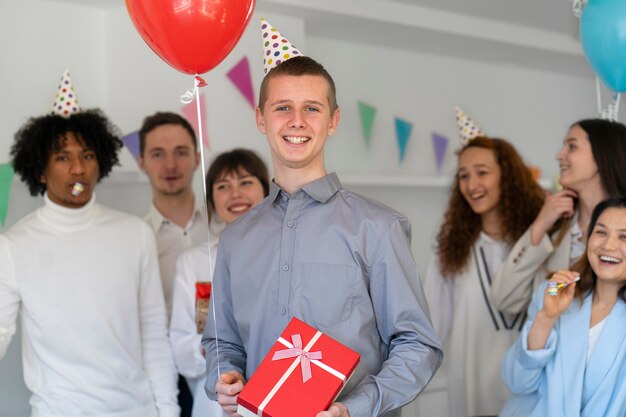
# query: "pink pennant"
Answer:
x=191 y=114
x=240 y=76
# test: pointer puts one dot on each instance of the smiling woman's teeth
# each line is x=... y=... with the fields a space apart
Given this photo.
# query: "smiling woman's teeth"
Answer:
x=296 y=139
x=609 y=259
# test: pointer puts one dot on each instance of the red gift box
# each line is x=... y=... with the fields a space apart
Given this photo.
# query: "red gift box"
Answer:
x=301 y=375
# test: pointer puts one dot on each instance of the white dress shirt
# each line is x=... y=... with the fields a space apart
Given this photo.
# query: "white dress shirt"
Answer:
x=172 y=240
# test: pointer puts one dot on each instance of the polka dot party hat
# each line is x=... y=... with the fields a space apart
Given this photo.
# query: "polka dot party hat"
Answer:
x=468 y=130
x=66 y=102
x=276 y=48
x=609 y=113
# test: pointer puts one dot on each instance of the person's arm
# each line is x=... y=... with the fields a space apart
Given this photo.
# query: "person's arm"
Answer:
x=184 y=337
x=439 y=292
x=157 y=355
x=556 y=206
x=523 y=366
x=9 y=297
x=232 y=355
x=403 y=322
x=512 y=286
x=553 y=307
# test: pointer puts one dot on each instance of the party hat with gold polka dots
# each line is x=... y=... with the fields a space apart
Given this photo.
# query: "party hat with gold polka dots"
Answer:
x=276 y=48
x=610 y=112
x=66 y=102
x=468 y=130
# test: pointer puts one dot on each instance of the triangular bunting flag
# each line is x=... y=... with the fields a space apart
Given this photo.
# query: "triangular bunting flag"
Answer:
x=403 y=134
x=191 y=114
x=240 y=76
x=367 y=113
x=131 y=142
x=6 y=181
x=440 y=143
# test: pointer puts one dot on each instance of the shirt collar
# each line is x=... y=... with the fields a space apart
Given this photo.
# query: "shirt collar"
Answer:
x=574 y=227
x=69 y=219
x=155 y=219
x=321 y=189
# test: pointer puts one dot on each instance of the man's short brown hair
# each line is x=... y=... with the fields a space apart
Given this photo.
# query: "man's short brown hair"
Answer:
x=300 y=65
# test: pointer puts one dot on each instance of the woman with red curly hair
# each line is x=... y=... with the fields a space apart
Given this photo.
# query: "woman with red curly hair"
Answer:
x=493 y=200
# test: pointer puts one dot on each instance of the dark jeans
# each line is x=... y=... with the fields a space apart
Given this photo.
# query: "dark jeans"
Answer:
x=185 y=399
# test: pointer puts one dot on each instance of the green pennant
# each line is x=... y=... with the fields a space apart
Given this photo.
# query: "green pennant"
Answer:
x=367 y=113
x=6 y=180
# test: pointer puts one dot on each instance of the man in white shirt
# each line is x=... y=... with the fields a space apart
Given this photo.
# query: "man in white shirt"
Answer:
x=86 y=281
x=169 y=156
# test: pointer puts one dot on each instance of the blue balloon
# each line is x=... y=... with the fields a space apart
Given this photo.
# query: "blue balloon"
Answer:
x=603 y=36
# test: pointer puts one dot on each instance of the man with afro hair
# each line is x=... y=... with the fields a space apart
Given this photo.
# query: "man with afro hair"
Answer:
x=86 y=279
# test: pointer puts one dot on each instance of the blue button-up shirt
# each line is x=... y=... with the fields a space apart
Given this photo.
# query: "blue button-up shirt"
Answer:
x=343 y=264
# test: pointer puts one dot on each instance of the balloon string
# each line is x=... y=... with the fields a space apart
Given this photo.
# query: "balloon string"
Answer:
x=187 y=98
x=598 y=96
x=578 y=7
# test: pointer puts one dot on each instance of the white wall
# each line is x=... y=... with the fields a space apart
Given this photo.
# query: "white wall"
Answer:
x=112 y=68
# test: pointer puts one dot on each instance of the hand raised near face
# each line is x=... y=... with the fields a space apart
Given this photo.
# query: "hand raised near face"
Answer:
x=556 y=206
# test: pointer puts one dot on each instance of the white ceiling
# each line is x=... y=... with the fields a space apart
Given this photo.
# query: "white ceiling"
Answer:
x=541 y=34
x=552 y=15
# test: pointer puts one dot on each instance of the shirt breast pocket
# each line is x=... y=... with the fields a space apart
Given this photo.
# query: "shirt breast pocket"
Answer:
x=324 y=293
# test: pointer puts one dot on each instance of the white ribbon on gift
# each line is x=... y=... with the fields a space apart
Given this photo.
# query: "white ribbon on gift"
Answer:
x=293 y=366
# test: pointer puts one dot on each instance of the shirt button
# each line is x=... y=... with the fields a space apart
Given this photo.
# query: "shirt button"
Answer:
x=290 y=224
x=285 y=267
x=283 y=311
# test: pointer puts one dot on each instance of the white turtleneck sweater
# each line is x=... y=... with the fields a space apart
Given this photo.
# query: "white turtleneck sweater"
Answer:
x=93 y=316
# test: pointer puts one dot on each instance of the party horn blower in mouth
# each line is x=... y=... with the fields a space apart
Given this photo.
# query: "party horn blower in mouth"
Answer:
x=77 y=189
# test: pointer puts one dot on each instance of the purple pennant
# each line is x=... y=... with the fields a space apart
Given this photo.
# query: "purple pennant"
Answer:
x=240 y=76
x=131 y=141
x=440 y=143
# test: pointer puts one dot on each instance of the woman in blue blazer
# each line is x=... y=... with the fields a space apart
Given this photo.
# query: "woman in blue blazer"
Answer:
x=570 y=359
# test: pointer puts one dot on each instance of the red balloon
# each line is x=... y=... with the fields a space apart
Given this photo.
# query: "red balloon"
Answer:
x=193 y=36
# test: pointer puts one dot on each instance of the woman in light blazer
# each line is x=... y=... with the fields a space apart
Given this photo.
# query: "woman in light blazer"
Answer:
x=591 y=163
x=570 y=359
